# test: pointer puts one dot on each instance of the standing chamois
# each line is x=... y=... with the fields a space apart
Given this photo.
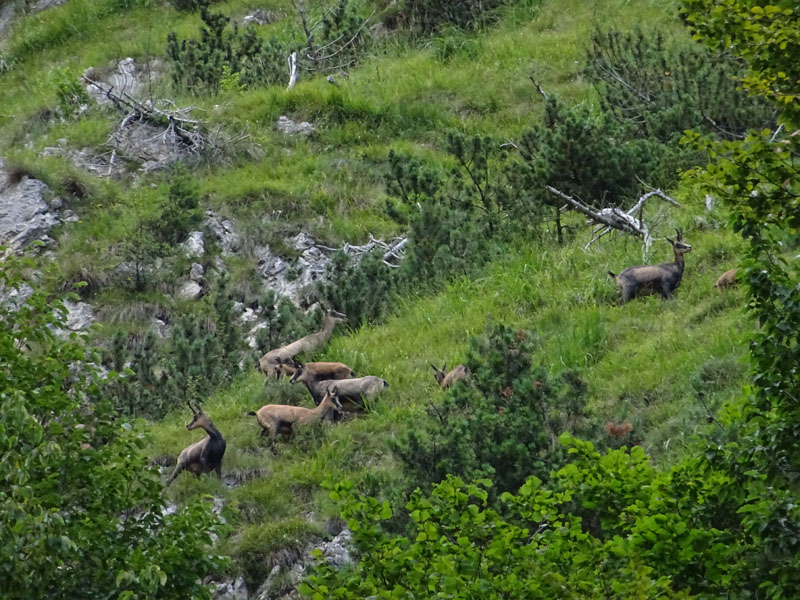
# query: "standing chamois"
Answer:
x=654 y=279
x=354 y=391
x=269 y=363
x=279 y=418
x=203 y=456
x=445 y=379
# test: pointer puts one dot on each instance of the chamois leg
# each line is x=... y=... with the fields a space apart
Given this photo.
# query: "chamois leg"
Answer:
x=218 y=469
x=178 y=468
x=666 y=292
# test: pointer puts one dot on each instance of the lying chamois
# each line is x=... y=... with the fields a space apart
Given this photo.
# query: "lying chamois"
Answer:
x=323 y=370
x=269 y=362
x=727 y=279
x=354 y=391
x=651 y=279
x=203 y=456
x=279 y=418
x=445 y=379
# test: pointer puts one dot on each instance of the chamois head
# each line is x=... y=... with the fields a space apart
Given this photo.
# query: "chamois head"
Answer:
x=438 y=374
x=299 y=371
x=332 y=395
x=335 y=316
x=678 y=245
x=200 y=418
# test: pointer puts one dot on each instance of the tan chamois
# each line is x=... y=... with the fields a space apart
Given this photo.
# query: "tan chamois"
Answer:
x=727 y=279
x=269 y=364
x=652 y=279
x=279 y=418
x=354 y=391
x=446 y=379
x=203 y=456
x=323 y=370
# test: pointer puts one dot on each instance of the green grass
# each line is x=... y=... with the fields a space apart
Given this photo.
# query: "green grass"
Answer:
x=644 y=363
x=658 y=365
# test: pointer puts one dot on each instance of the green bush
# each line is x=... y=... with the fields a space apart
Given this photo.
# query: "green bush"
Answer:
x=202 y=65
x=181 y=212
x=662 y=89
x=504 y=425
x=73 y=476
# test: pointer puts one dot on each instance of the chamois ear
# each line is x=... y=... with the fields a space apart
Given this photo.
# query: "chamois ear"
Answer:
x=670 y=241
x=278 y=360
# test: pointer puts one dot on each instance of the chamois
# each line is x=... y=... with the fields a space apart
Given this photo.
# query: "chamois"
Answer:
x=650 y=279
x=727 y=279
x=355 y=391
x=203 y=456
x=446 y=379
x=323 y=370
x=279 y=418
x=269 y=362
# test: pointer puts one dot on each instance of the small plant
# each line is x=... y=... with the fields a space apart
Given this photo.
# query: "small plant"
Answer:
x=72 y=95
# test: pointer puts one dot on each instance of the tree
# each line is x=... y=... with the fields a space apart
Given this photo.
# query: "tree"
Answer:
x=81 y=513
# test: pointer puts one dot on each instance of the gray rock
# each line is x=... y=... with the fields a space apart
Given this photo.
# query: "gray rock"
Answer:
x=250 y=338
x=24 y=213
x=289 y=127
x=123 y=78
x=224 y=232
x=160 y=328
x=337 y=551
x=231 y=590
x=248 y=316
x=80 y=315
x=195 y=245
x=41 y=5
x=190 y=290
x=196 y=273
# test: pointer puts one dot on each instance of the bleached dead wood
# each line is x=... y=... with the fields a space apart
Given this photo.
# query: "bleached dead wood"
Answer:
x=179 y=127
x=292 y=70
x=394 y=249
x=613 y=218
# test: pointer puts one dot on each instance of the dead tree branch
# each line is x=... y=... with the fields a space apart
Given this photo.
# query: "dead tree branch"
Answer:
x=179 y=127
x=613 y=218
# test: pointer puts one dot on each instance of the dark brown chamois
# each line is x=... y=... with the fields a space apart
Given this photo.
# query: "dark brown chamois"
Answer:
x=654 y=279
x=203 y=456
x=446 y=379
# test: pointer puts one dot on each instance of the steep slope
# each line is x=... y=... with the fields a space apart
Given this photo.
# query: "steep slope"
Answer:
x=665 y=367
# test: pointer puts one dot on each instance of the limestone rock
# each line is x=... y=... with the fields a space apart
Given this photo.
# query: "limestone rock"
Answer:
x=80 y=315
x=231 y=590
x=289 y=127
x=195 y=246
x=224 y=232
x=24 y=214
x=190 y=290
x=196 y=273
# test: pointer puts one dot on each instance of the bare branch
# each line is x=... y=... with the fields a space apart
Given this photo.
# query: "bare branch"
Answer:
x=538 y=87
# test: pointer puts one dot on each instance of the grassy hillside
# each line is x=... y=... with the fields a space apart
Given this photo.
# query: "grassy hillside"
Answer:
x=646 y=363
x=662 y=366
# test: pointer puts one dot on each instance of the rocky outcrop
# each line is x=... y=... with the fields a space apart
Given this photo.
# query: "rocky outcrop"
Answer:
x=25 y=214
x=290 y=280
x=282 y=582
x=231 y=590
